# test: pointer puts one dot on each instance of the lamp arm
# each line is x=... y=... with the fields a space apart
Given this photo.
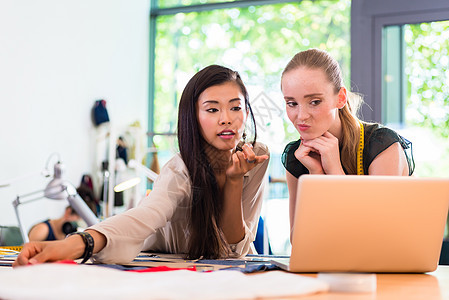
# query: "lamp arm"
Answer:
x=140 y=167
x=16 y=203
x=149 y=173
x=19 y=200
x=80 y=206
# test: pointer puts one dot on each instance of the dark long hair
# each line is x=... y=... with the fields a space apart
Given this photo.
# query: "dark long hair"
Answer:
x=206 y=237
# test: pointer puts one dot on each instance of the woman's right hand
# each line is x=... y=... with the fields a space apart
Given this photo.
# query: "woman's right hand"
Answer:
x=40 y=252
x=310 y=158
x=243 y=162
x=325 y=149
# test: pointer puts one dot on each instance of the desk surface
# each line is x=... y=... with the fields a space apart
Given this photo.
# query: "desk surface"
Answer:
x=429 y=286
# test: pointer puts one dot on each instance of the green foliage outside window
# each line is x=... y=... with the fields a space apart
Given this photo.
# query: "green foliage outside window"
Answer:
x=257 y=41
x=427 y=72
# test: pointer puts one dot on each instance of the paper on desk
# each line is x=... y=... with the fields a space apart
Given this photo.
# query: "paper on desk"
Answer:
x=7 y=256
x=59 y=281
x=178 y=261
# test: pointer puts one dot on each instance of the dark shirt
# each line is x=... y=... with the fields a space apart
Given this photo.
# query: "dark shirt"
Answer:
x=377 y=139
x=51 y=234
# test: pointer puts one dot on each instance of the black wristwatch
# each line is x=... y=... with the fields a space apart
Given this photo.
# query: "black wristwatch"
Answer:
x=88 y=245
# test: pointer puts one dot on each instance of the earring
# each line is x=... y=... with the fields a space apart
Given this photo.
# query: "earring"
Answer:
x=244 y=136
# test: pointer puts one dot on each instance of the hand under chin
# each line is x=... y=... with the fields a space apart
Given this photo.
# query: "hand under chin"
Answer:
x=315 y=155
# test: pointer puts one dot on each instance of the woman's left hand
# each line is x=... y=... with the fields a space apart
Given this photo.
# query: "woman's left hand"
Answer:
x=327 y=146
x=243 y=161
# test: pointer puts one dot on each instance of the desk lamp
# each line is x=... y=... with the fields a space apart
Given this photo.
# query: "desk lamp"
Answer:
x=57 y=189
x=135 y=180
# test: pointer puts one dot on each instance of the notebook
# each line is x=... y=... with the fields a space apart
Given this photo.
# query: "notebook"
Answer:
x=392 y=224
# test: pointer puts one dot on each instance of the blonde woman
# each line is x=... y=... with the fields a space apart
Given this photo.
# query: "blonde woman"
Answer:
x=332 y=139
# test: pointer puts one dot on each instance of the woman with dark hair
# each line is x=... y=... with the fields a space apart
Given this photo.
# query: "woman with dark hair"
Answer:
x=333 y=140
x=207 y=199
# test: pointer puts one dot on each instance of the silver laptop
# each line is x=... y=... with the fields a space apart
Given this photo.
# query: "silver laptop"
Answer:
x=368 y=224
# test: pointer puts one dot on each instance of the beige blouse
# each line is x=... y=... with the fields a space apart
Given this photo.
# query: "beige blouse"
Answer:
x=160 y=221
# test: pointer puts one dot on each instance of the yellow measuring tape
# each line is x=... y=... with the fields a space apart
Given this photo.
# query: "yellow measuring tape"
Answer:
x=360 y=150
x=5 y=250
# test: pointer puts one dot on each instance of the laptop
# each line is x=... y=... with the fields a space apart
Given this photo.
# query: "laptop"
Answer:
x=381 y=224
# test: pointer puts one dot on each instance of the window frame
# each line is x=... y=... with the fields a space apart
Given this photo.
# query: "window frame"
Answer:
x=368 y=19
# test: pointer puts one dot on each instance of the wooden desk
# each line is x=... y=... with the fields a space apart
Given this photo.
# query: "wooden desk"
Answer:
x=429 y=286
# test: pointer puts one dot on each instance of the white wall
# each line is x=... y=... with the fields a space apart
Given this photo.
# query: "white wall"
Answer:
x=56 y=58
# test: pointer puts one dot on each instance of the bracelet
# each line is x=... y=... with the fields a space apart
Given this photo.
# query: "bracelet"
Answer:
x=88 y=245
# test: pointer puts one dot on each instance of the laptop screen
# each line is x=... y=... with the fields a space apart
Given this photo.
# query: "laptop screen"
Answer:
x=368 y=223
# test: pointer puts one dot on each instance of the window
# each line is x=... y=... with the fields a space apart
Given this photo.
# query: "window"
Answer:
x=415 y=89
x=404 y=76
x=257 y=39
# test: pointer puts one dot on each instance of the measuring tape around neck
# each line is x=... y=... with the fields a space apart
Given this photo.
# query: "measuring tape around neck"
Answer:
x=360 y=150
